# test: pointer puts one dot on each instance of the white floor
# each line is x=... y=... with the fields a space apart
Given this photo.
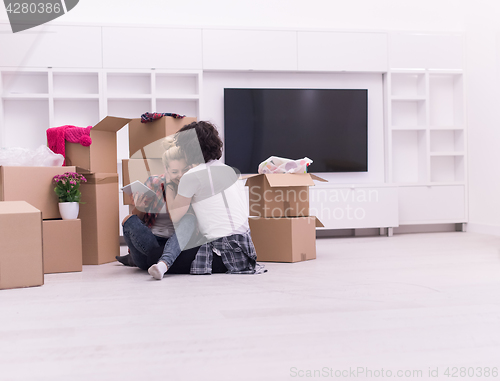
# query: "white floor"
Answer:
x=413 y=302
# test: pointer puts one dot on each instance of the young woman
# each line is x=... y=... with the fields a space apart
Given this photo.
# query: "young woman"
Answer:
x=149 y=230
x=210 y=189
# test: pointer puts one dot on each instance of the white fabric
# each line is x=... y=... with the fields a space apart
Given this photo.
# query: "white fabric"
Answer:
x=215 y=220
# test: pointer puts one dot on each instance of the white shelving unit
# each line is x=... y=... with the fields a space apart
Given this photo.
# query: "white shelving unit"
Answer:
x=426 y=143
x=36 y=99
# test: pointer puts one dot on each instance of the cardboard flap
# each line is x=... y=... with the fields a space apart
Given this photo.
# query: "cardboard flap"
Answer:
x=289 y=180
x=314 y=177
x=111 y=124
x=244 y=177
x=319 y=224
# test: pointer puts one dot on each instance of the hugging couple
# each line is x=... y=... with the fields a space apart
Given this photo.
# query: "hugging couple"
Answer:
x=197 y=223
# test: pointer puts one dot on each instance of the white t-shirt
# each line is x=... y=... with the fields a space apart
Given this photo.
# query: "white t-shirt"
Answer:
x=217 y=198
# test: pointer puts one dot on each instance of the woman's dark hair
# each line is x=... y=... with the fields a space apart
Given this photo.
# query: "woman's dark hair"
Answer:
x=208 y=138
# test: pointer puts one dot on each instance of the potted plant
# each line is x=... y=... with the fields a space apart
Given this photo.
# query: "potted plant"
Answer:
x=68 y=190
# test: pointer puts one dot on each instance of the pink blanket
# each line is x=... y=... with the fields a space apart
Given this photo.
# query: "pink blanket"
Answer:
x=58 y=136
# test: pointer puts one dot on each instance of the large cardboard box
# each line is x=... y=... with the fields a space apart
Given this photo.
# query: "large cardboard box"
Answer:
x=21 y=261
x=33 y=185
x=139 y=170
x=62 y=246
x=100 y=218
x=284 y=239
x=280 y=195
x=101 y=155
x=145 y=138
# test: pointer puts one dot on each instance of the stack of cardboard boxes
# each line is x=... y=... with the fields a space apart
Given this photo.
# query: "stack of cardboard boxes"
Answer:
x=34 y=239
x=281 y=227
x=146 y=149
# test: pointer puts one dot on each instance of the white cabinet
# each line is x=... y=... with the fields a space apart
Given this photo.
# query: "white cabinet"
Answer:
x=432 y=204
x=51 y=46
x=355 y=207
x=335 y=51
x=161 y=48
x=426 y=51
x=249 y=50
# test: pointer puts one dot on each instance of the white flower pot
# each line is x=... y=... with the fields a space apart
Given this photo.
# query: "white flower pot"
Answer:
x=69 y=210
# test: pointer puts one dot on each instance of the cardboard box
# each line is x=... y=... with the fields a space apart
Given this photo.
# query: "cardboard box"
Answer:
x=280 y=195
x=33 y=185
x=62 y=246
x=284 y=239
x=139 y=169
x=101 y=155
x=21 y=260
x=100 y=218
x=148 y=136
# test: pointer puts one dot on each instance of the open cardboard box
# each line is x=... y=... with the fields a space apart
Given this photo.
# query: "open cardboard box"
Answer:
x=33 y=185
x=145 y=138
x=101 y=155
x=62 y=246
x=144 y=142
x=279 y=195
x=284 y=239
x=21 y=260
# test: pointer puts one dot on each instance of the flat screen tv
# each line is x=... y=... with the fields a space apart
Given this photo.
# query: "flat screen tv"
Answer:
x=329 y=126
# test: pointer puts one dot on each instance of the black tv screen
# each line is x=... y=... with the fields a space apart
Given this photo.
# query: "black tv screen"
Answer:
x=329 y=126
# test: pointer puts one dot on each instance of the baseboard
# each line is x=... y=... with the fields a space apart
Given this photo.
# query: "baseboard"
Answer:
x=403 y=229
x=484 y=229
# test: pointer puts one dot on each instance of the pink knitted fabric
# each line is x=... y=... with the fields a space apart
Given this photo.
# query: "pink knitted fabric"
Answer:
x=58 y=136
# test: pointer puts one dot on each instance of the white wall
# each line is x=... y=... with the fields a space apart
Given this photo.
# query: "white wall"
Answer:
x=436 y=15
x=483 y=103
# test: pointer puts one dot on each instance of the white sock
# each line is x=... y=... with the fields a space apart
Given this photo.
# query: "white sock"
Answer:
x=157 y=271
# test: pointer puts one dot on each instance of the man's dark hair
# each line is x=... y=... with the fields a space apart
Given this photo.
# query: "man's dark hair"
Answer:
x=208 y=138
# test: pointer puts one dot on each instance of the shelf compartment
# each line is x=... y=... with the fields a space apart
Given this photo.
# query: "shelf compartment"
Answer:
x=121 y=84
x=408 y=85
x=171 y=85
x=25 y=123
x=408 y=113
x=448 y=168
x=447 y=141
x=409 y=156
x=70 y=84
x=183 y=107
x=80 y=113
x=446 y=103
x=20 y=83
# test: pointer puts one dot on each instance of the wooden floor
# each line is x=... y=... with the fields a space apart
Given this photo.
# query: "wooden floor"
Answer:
x=413 y=302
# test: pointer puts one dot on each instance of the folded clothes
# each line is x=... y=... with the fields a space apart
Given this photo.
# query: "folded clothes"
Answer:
x=150 y=116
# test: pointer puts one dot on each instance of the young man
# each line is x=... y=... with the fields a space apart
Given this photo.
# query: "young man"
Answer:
x=211 y=188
